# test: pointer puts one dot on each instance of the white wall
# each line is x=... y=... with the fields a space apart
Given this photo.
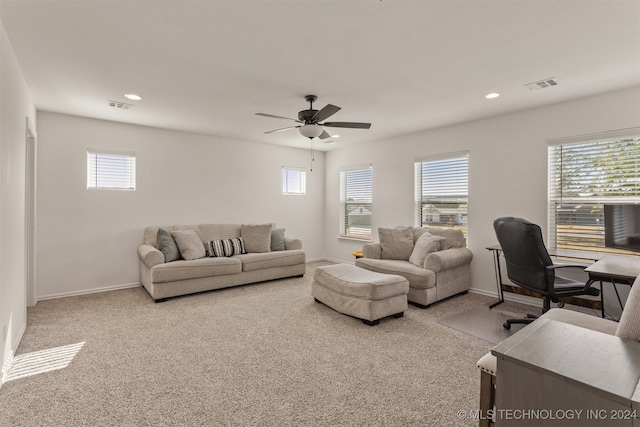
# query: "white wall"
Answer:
x=15 y=106
x=507 y=169
x=87 y=239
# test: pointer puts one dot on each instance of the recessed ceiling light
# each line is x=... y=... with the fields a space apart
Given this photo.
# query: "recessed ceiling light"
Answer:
x=492 y=95
x=335 y=136
x=132 y=96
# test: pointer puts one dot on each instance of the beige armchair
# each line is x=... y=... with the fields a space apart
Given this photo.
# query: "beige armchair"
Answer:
x=577 y=367
x=435 y=261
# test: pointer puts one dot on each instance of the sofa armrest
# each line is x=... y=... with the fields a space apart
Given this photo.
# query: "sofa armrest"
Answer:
x=150 y=256
x=372 y=250
x=292 y=244
x=447 y=259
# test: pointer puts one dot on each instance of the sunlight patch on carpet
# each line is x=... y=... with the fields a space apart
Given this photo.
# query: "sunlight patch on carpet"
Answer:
x=39 y=362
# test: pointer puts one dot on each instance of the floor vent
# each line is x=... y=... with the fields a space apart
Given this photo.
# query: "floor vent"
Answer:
x=121 y=105
x=542 y=84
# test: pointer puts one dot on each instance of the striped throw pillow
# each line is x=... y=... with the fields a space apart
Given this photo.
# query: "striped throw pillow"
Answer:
x=225 y=247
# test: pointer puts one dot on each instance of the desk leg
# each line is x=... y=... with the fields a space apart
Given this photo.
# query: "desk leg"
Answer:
x=498 y=272
x=602 y=299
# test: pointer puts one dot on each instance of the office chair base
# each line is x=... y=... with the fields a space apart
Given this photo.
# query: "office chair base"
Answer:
x=524 y=321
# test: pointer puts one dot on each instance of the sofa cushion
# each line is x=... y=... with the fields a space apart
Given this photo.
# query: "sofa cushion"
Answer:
x=189 y=243
x=194 y=269
x=277 y=239
x=225 y=247
x=208 y=232
x=419 y=278
x=260 y=261
x=426 y=244
x=167 y=245
x=396 y=243
x=454 y=238
x=257 y=237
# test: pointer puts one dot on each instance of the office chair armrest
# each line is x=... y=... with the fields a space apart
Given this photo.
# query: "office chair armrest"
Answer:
x=556 y=266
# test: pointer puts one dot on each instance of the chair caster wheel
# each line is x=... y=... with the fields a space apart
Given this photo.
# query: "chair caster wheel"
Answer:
x=560 y=304
x=506 y=325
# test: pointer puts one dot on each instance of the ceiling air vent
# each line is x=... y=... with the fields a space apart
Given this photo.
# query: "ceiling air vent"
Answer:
x=121 y=105
x=542 y=84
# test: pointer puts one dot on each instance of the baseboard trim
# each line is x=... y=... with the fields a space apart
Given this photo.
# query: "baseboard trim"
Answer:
x=89 y=291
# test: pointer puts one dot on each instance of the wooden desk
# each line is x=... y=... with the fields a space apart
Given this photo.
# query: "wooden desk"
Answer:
x=579 y=301
x=614 y=269
x=556 y=366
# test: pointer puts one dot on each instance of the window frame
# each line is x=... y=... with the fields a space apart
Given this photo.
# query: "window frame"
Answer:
x=585 y=210
x=286 y=170
x=345 y=204
x=419 y=183
x=94 y=174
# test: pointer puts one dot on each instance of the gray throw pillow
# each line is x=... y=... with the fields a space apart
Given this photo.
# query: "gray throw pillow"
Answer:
x=190 y=245
x=425 y=245
x=256 y=237
x=167 y=245
x=277 y=239
x=396 y=243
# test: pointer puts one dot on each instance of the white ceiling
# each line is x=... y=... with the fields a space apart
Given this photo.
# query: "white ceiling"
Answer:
x=405 y=66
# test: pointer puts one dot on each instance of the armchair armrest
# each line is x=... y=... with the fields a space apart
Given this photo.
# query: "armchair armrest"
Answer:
x=372 y=250
x=447 y=259
x=150 y=256
x=291 y=244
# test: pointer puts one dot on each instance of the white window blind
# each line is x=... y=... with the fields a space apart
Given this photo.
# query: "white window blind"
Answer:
x=294 y=180
x=442 y=191
x=583 y=176
x=113 y=171
x=356 y=202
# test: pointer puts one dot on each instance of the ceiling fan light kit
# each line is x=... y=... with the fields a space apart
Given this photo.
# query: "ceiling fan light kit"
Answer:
x=311 y=131
x=310 y=119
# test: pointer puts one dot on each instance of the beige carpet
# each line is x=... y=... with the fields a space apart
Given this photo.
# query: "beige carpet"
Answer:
x=263 y=354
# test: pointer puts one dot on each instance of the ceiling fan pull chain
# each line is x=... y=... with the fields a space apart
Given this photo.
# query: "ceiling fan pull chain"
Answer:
x=312 y=155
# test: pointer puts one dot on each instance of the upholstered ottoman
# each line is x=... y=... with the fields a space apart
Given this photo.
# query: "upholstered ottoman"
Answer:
x=364 y=294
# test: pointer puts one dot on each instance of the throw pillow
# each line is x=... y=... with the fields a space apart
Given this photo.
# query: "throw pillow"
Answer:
x=167 y=245
x=189 y=244
x=225 y=247
x=257 y=237
x=629 y=326
x=396 y=243
x=277 y=239
x=425 y=245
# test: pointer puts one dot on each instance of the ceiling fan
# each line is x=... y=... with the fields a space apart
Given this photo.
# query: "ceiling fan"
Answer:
x=310 y=119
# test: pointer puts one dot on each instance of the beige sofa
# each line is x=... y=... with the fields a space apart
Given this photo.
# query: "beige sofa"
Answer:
x=199 y=267
x=435 y=261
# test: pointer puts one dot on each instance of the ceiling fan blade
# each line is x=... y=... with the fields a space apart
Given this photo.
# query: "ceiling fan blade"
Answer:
x=277 y=117
x=326 y=112
x=324 y=134
x=280 y=130
x=353 y=125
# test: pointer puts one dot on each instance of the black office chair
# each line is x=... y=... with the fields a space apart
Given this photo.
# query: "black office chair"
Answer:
x=529 y=265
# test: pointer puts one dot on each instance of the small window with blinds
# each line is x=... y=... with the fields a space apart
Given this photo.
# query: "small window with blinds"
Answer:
x=355 y=202
x=294 y=181
x=584 y=175
x=111 y=170
x=442 y=191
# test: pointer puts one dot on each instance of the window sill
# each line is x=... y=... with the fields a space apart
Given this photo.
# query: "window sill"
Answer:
x=355 y=239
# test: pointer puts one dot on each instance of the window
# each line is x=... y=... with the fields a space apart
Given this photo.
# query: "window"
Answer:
x=294 y=180
x=112 y=171
x=442 y=191
x=584 y=175
x=355 y=202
